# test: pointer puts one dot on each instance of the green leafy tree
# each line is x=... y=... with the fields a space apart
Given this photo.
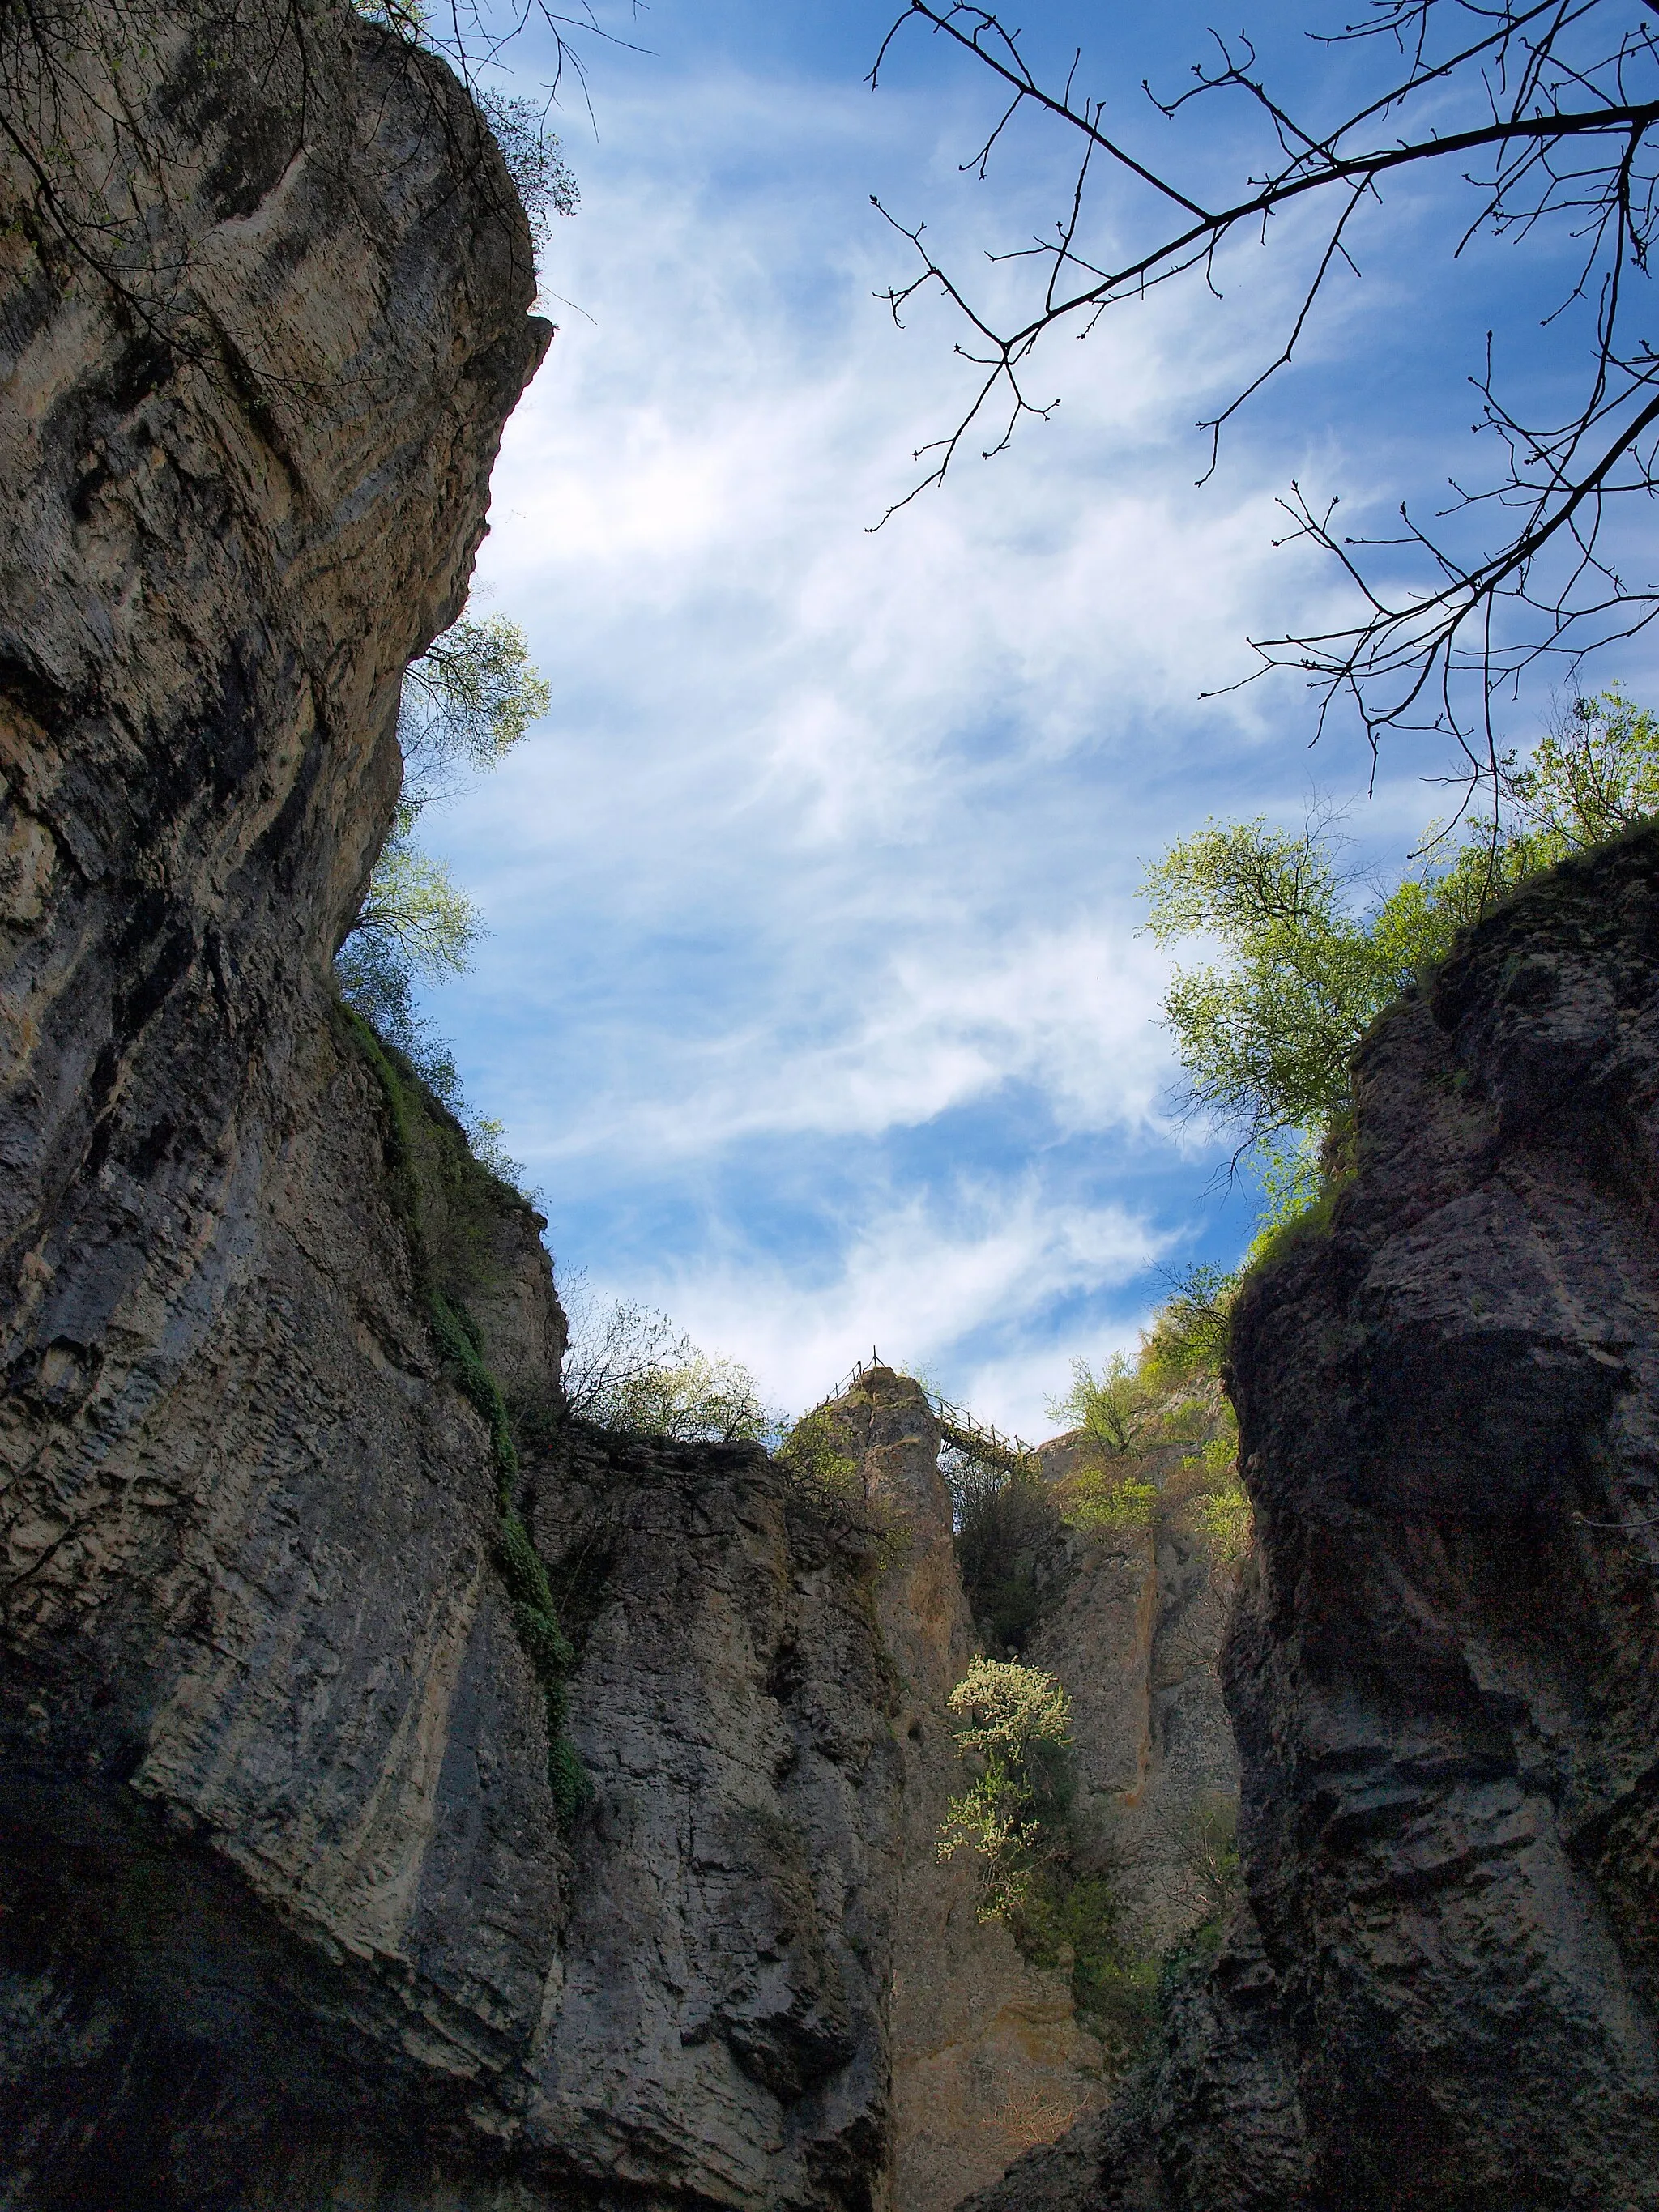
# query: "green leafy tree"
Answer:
x=630 y=1369
x=466 y=701
x=1593 y=776
x=1115 y=1408
x=1264 y=1034
x=413 y=923
x=1013 y=1726
x=1265 y=1031
x=1013 y=1733
x=698 y=1398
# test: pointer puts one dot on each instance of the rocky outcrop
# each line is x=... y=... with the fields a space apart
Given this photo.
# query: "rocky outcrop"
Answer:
x=1440 y=1992
x=988 y=2055
x=289 y=1918
x=716 y=2024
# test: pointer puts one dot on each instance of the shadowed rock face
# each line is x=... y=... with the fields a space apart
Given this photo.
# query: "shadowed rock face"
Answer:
x=720 y=2026
x=287 y=1918
x=1442 y=1991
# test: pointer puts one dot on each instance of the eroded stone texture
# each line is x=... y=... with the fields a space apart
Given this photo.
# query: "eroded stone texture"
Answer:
x=721 y=2026
x=288 y=1921
x=1440 y=1992
x=988 y=2053
x=1132 y=1624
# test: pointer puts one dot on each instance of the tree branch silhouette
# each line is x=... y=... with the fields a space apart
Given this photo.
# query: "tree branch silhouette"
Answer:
x=1547 y=114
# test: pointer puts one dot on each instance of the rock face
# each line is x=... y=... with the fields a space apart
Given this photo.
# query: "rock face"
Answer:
x=988 y=2052
x=718 y=2022
x=1441 y=1989
x=288 y=1918
x=1132 y=1624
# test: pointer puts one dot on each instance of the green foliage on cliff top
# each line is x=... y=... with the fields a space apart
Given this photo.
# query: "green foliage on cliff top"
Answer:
x=1186 y=1341
x=1160 y=1444
x=1265 y=1031
x=629 y=1369
x=1266 y=1034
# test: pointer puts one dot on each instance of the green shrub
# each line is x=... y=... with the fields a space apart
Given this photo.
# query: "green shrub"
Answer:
x=1171 y=1422
x=1117 y=1409
x=697 y=1399
x=1011 y=1725
x=1103 y=1504
x=1228 y=1521
x=630 y=1370
x=812 y=1453
x=1014 y=1729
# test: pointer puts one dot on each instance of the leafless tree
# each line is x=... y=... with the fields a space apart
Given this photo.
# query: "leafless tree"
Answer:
x=1542 y=117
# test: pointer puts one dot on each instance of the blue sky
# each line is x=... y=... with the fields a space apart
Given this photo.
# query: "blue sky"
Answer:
x=814 y=1001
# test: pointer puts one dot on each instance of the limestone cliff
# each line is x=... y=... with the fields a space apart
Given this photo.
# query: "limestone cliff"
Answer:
x=988 y=2053
x=313 y=1608
x=1440 y=1991
x=290 y=1916
x=1132 y=1624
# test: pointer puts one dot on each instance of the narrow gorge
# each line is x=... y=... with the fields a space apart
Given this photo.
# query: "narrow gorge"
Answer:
x=414 y=1801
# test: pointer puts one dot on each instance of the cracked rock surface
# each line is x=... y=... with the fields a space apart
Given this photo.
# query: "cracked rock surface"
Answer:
x=288 y=1918
x=1440 y=1991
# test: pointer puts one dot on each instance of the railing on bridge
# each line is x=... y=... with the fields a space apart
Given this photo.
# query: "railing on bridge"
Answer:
x=961 y=1429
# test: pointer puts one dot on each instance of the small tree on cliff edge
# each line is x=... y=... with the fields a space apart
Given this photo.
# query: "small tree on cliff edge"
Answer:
x=1265 y=1032
x=467 y=702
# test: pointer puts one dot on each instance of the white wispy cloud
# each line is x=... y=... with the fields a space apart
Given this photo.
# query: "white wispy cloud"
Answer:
x=822 y=872
x=913 y=1281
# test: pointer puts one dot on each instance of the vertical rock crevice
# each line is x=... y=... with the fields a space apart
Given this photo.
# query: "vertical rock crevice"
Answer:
x=990 y=2051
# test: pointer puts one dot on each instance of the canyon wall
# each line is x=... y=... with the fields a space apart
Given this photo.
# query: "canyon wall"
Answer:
x=290 y=1918
x=989 y=2051
x=988 y=2055
x=301 y=1906
x=1439 y=1990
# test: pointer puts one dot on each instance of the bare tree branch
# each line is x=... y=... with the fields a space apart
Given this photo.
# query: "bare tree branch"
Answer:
x=1559 y=105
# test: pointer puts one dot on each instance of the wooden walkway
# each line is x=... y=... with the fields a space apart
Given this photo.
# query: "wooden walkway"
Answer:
x=962 y=1431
